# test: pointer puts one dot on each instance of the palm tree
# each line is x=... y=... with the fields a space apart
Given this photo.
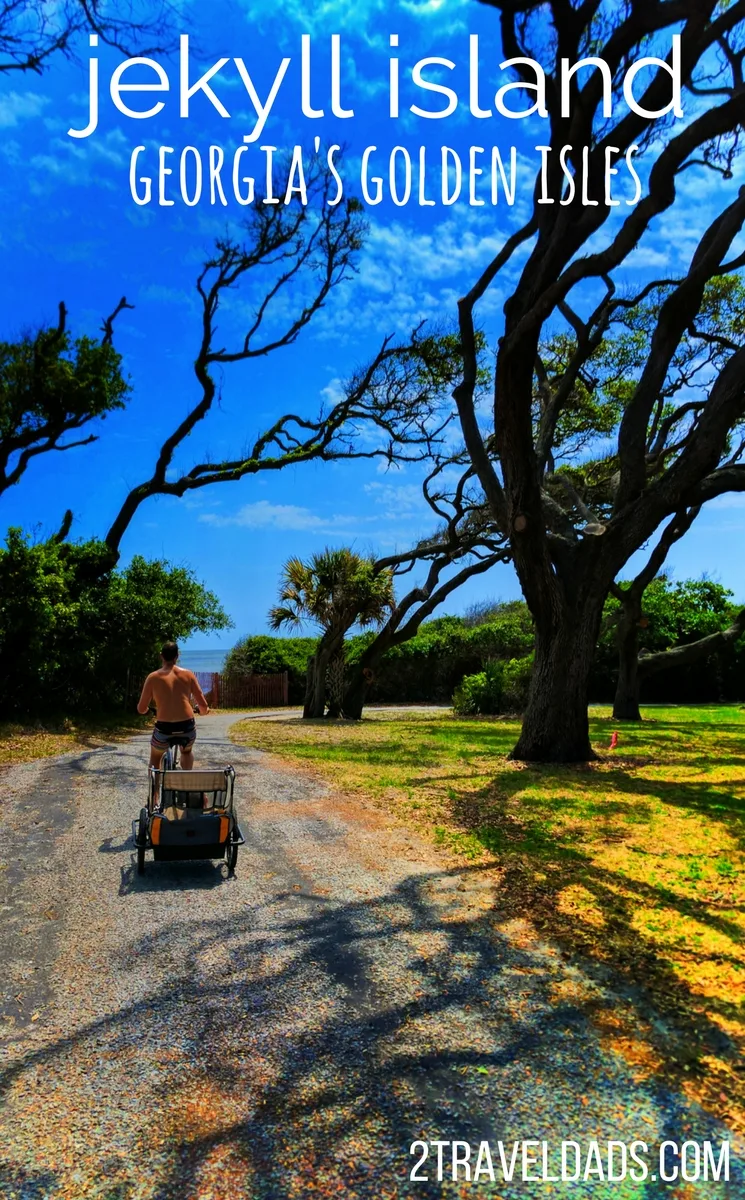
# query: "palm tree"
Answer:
x=334 y=590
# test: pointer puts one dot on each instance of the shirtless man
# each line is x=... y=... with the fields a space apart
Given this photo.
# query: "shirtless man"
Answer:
x=170 y=689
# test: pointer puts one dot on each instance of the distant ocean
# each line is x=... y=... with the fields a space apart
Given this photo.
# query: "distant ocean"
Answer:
x=203 y=660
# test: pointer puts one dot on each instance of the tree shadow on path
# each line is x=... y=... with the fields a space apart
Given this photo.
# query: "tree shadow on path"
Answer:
x=301 y=1048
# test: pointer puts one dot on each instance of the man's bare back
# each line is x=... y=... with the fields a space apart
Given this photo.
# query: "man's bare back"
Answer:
x=170 y=689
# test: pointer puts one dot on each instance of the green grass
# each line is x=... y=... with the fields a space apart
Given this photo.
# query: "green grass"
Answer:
x=21 y=743
x=637 y=860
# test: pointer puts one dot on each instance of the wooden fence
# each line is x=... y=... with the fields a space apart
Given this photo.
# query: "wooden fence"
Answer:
x=244 y=691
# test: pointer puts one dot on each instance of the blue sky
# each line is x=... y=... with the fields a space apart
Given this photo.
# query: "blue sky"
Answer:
x=71 y=231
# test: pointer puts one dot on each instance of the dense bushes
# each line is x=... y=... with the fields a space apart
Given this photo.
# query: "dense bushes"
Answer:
x=263 y=655
x=77 y=636
x=426 y=668
x=429 y=667
x=502 y=687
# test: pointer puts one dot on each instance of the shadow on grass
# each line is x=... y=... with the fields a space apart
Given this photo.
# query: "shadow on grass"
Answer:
x=542 y=865
x=715 y=800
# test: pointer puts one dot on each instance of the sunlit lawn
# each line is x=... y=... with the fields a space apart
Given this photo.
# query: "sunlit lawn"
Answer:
x=636 y=860
x=21 y=743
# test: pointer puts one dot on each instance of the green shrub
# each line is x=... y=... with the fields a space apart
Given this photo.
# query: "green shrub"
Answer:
x=265 y=655
x=432 y=664
x=500 y=687
x=481 y=694
x=517 y=674
x=77 y=635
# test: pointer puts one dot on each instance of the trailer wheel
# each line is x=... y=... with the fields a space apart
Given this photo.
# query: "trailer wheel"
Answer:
x=142 y=841
x=231 y=856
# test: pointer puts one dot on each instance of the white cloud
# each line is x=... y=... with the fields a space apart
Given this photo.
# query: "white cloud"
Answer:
x=263 y=515
x=361 y=19
x=408 y=275
x=333 y=393
x=11 y=151
x=79 y=165
x=430 y=8
x=392 y=504
x=16 y=107
x=161 y=293
x=397 y=501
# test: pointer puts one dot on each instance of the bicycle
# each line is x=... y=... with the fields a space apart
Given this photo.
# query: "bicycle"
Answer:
x=171 y=759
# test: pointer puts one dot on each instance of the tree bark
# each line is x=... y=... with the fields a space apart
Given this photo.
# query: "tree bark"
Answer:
x=556 y=726
x=315 y=686
x=691 y=652
x=358 y=674
x=335 y=684
x=354 y=693
x=310 y=679
x=315 y=689
x=626 y=702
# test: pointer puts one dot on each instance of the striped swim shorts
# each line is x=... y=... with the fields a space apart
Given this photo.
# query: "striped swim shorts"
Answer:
x=174 y=733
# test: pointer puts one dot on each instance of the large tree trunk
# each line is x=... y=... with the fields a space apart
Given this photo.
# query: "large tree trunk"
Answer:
x=556 y=727
x=310 y=689
x=354 y=693
x=315 y=686
x=360 y=674
x=626 y=703
x=335 y=684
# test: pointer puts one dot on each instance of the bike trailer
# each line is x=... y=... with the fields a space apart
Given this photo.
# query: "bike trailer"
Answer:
x=189 y=815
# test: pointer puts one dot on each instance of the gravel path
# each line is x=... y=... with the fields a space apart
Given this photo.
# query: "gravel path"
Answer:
x=290 y=1031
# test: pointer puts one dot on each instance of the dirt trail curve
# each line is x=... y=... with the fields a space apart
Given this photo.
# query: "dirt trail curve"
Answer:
x=288 y=1032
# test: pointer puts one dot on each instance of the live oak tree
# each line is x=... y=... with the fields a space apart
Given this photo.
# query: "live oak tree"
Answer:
x=584 y=462
x=51 y=387
x=701 y=607
x=281 y=274
x=582 y=476
x=568 y=279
